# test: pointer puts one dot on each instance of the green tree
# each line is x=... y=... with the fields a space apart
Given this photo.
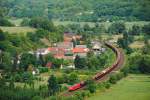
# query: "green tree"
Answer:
x=136 y=30
x=26 y=60
x=93 y=62
x=39 y=22
x=5 y=22
x=113 y=79
x=41 y=33
x=49 y=58
x=73 y=78
x=41 y=60
x=2 y=82
x=15 y=60
x=11 y=83
x=146 y=49
x=86 y=27
x=91 y=86
x=2 y=35
x=139 y=63
x=146 y=29
x=57 y=63
x=125 y=41
x=53 y=85
x=5 y=61
x=25 y=22
x=144 y=64
x=80 y=62
x=117 y=27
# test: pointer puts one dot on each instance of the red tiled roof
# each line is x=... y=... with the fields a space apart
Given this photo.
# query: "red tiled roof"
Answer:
x=55 y=49
x=52 y=48
x=59 y=56
x=80 y=50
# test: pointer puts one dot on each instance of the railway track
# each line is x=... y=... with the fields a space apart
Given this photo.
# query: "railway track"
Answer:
x=103 y=75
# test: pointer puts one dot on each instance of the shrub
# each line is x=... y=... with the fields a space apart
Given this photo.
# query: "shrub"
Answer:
x=36 y=98
x=17 y=78
x=43 y=69
x=113 y=79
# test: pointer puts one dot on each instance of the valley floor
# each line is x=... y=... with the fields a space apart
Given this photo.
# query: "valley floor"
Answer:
x=133 y=87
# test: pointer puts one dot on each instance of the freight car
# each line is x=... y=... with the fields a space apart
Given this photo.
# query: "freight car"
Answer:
x=102 y=73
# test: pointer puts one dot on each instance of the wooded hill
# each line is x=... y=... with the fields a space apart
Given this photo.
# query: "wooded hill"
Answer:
x=78 y=10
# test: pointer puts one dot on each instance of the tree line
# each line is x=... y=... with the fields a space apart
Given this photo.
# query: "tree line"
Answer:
x=73 y=10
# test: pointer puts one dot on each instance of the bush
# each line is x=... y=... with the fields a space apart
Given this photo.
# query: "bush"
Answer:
x=79 y=95
x=107 y=85
x=125 y=71
x=113 y=79
x=43 y=69
x=26 y=76
x=73 y=78
x=17 y=78
x=91 y=86
x=36 y=98
x=5 y=22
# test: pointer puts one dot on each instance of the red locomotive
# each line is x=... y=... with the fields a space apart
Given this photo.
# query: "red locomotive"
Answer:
x=76 y=86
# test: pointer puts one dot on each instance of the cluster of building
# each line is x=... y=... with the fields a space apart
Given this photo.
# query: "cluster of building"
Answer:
x=66 y=49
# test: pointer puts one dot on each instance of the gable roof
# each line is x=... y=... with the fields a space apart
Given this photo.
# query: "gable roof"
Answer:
x=80 y=50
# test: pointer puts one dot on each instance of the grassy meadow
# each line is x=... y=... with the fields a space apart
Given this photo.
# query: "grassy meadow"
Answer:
x=106 y=24
x=17 y=29
x=133 y=87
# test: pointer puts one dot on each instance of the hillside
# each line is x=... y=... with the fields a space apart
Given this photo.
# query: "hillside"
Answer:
x=80 y=10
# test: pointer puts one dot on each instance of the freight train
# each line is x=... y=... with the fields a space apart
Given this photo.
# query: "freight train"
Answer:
x=101 y=74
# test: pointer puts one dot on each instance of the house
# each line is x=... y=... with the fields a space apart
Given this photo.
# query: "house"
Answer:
x=62 y=51
x=82 y=52
x=56 y=50
x=65 y=45
x=59 y=56
x=77 y=37
x=81 y=46
x=97 y=47
x=68 y=37
x=42 y=51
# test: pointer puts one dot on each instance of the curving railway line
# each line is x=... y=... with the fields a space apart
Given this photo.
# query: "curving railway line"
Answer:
x=103 y=75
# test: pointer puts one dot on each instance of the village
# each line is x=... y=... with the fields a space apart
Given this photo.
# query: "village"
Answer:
x=72 y=46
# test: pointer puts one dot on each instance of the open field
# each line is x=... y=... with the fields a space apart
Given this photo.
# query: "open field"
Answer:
x=106 y=24
x=137 y=44
x=134 y=87
x=92 y=24
x=16 y=22
x=17 y=29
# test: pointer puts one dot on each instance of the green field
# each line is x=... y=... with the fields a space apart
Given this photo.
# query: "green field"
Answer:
x=16 y=22
x=134 y=87
x=91 y=24
x=106 y=24
x=17 y=29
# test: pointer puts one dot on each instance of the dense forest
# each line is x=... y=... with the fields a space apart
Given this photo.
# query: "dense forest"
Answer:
x=78 y=10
